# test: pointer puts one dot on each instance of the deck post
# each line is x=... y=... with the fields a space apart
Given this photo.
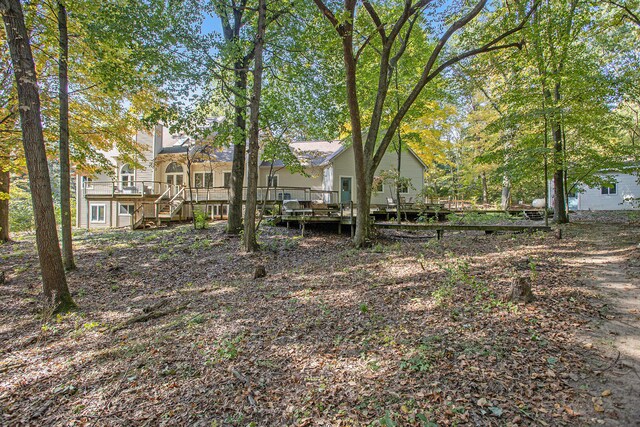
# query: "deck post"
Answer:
x=439 y=234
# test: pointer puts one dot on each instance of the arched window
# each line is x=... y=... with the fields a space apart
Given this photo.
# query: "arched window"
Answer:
x=127 y=176
x=174 y=174
x=174 y=167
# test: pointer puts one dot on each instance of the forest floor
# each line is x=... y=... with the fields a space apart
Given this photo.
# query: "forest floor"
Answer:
x=172 y=329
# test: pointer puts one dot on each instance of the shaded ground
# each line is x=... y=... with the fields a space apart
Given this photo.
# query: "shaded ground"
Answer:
x=412 y=331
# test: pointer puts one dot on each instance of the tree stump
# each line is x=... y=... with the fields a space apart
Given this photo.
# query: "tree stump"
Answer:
x=521 y=291
x=559 y=233
x=259 y=272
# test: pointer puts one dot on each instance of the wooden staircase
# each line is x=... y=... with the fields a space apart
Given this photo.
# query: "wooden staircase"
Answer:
x=168 y=206
x=534 y=215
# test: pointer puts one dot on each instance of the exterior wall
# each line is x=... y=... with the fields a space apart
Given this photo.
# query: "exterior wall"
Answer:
x=146 y=173
x=627 y=187
x=218 y=169
x=344 y=165
x=288 y=179
x=81 y=203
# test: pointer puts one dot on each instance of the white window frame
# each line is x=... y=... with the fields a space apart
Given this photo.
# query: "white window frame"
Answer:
x=407 y=187
x=204 y=179
x=104 y=213
x=381 y=190
x=130 y=176
x=609 y=190
x=121 y=205
x=223 y=175
x=270 y=178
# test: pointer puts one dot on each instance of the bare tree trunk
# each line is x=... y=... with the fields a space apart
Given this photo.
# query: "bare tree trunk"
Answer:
x=5 y=178
x=54 y=282
x=65 y=168
x=234 y=216
x=250 y=243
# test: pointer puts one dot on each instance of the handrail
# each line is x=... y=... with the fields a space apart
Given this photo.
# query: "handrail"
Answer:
x=134 y=221
x=159 y=199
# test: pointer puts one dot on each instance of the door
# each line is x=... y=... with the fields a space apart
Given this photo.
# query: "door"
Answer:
x=345 y=189
x=175 y=179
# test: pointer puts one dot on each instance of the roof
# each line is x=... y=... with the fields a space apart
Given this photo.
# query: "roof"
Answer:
x=311 y=153
x=222 y=154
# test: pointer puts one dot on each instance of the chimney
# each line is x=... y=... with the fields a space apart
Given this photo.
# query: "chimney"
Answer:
x=157 y=139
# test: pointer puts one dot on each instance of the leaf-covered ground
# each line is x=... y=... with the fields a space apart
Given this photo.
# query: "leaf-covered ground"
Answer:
x=412 y=331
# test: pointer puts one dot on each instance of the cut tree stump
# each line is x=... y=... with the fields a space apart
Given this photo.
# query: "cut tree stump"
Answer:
x=259 y=272
x=521 y=291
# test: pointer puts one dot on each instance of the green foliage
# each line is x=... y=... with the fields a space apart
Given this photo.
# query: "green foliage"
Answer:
x=200 y=219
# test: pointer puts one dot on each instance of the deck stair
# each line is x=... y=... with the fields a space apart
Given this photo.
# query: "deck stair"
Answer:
x=167 y=205
x=534 y=215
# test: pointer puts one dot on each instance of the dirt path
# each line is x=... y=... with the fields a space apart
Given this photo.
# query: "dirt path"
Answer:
x=610 y=260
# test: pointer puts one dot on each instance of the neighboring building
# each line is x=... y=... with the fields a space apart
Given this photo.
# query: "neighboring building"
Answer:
x=158 y=190
x=624 y=194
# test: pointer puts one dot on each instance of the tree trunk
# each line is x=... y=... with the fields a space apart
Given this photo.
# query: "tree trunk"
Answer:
x=559 y=205
x=485 y=191
x=65 y=172
x=250 y=243
x=56 y=292
x=5 y=178
x=506 y=192
x=234 y=216
x=398 y=183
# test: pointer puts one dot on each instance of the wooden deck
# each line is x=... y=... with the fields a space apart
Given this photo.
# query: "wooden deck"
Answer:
x=441 y=228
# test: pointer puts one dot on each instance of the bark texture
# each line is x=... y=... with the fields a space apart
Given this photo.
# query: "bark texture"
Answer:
x=5 y=177
x=234 y=218
x=56 y=292
x=250 y=243
x=559 y=206
x=65 y=168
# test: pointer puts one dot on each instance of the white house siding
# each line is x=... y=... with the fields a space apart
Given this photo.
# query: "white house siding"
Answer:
x=627 y=187
x=344 y=165
x=287 y=179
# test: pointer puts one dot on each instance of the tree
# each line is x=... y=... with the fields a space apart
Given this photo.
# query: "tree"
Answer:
x=234 y=18
x=54 y=282
x=65 y=166
x=250 y=243
x=393 y=31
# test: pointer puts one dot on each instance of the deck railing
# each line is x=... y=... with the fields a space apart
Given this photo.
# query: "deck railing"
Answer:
x=213 y=194
x=128 y=188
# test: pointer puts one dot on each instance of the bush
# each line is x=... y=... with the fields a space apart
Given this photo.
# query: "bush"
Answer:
x=200 y=219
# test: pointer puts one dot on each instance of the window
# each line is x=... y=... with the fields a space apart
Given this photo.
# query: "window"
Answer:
x=217 y=211
x=609 y=189
x=174 y=174
x=404 y=188
x=226 y=179
x=97 y=213
x=272 y=181
x=203 y=180
x=126 y=209
x=87 y=183
x=379 y=187
x=174 y=167
x=127 y=176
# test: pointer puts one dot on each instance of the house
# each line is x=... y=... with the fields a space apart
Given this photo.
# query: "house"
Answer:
x=623 y=194
x=158 y=189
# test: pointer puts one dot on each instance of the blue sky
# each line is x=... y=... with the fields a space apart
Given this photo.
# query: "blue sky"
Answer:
x=211 y=24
